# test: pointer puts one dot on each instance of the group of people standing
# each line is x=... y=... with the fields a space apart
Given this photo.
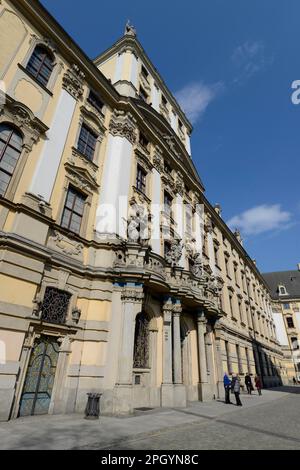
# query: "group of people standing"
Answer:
x=234 y=385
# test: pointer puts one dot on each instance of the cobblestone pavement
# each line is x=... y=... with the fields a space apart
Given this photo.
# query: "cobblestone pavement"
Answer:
x=268 y=422
x=272 y=425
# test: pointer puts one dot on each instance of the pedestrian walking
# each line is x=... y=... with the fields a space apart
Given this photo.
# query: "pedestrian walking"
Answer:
x=227 y=384
x=237 y=390
x=248 y=383
x=294 y=381
x=258 y=384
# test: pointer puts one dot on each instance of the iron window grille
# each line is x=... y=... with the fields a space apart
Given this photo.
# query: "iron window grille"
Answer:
x=55 y=305
x=141 y=342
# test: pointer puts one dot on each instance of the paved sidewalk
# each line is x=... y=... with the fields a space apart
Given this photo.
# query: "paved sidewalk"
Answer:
x=72 y=431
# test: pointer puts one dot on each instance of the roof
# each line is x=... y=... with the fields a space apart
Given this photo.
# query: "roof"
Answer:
x=289 y=279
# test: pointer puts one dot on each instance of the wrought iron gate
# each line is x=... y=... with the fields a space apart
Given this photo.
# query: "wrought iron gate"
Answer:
x=40 y=375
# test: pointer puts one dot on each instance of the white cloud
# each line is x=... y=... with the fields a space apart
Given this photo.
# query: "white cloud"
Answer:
x=260 y=219
x=250 y=58
x=195 y=97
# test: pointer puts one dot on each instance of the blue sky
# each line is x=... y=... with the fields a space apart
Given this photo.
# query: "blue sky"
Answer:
x=231 y=64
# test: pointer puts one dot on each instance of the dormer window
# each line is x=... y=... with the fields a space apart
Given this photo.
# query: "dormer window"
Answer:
x=143 y=94
x=282 y=290
x=95 y=101
x=164 y=101
x=145 y=72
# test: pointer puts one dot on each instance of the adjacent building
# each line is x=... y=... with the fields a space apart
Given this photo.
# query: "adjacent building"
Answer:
x=285 y=292
x=117 y=275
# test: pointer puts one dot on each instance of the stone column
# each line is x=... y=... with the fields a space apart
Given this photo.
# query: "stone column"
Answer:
x=179 y=388
x=154 y=390
x=209 y=356
x=218 y=359
x=167 y=385
x=203 y=384
x=132 y=297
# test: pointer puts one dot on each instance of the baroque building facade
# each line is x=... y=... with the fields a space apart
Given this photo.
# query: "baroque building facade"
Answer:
x=117 y=275
x=284 y=288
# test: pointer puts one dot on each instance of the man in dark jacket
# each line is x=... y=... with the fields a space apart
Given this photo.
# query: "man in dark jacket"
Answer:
x=248 y=383
x=227 y=384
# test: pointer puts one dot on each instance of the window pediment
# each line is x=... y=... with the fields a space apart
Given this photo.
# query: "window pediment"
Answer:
x=81 y=177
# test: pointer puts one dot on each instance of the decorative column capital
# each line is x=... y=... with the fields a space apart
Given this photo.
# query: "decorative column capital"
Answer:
x=167 y=310
x=132 y=295
x=73 y=81
x=177 y=309
x=123 y=124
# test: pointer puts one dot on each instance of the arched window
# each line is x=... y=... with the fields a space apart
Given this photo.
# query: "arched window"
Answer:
x=11 y=142
x=141 y=342
x=41 y=64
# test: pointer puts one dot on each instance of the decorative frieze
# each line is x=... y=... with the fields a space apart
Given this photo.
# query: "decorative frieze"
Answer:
x=73 y=81
x=124 y=125
x=65 y=245
x=132 y=295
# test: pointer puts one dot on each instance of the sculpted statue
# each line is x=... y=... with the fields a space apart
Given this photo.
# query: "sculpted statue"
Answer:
x=174 y=254
x=129 y=29
x=133 y=231
x=197 y=267
x=137 y=228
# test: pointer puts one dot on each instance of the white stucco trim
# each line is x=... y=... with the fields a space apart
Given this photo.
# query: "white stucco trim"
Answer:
x=48 y=164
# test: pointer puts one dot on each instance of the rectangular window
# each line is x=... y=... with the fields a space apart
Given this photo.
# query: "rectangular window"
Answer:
x=236 y=274
x=144 y=141
x=228 y=358
x=167 y=203
x=290 y=322
x=231 y=305
x=227 y=266
x=163 y=101
x=286 y=306
x=141 y=179
x=216 y=251
x=240 y=311
x=95 y=101
x=87 y=142
x=167 y=248
x=145 y=72
x=143 y=94
x=238 y=355
x=73 y=210
x=295 y=344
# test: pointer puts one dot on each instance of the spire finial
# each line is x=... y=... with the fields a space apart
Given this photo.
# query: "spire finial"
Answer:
x=129 y=29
